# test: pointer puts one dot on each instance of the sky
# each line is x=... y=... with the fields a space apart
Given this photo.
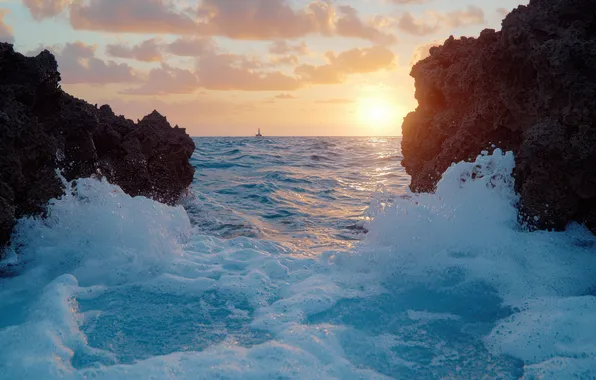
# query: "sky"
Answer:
x=228 y=67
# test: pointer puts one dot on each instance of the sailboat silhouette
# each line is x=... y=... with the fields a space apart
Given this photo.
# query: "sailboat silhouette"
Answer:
x=259 y=133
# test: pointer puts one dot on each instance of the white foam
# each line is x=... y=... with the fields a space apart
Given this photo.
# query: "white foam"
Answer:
x=548 y=329
x=471 y=225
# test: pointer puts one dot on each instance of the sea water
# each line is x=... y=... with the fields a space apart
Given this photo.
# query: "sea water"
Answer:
x=299 y=258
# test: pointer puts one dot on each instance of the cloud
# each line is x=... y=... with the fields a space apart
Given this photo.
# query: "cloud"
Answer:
x=409 y=24
x=282 y=47
x=191 y=47
x=355 y=61
x=261 y=19
x=423 y=51
x=152 y=50
x=78 y=64
x=290 y=60
x=5 y=30
x=432 y=22
x=223 y=72
x=167 y=80
x=242 y=20
x=269 y=19
x=146 y=51
x=350 y=25
x=234 y=72
x=41 y=9
x=285 y=96
x=130 y=16
x=335 y=101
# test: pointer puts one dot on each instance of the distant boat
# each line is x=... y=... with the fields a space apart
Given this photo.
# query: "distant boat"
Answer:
x=259 y=133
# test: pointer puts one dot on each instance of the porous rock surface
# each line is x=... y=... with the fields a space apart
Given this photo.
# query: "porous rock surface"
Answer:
x=44 y=129
x=529 y=88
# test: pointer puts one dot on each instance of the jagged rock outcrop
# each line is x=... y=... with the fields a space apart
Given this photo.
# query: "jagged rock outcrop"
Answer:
x=530 y=88
x=42 y=129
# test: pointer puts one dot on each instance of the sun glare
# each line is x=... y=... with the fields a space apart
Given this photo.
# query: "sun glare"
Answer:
x=378 y=113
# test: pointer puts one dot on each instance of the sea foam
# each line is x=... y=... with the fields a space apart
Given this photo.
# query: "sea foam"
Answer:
x=445 y=285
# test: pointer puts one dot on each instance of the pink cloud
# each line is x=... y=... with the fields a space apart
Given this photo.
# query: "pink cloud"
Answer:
x=132 y=16
x=349 y=24
x=5 y=30
x=78 y=64
x=191 y=47
x=152 y=50
x=167 y=80
x=41 y=9
x=243 y=20
x=282 y=47
x=147 y=51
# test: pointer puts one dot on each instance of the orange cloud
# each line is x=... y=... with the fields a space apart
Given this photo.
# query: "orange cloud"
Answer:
x=213 y=71
x=355 y=61
x=285 y=96
x=233 y=72
x=290 y=60
x=432 y=22
x=5 y=30
x=335 y=101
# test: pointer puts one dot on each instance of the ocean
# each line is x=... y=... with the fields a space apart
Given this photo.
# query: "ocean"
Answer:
x=299 y=258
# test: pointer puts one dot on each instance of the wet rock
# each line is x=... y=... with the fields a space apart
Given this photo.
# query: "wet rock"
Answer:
x=43 y=129
x=530 y=88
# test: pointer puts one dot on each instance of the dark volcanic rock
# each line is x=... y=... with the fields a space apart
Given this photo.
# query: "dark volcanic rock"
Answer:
x=530 y=88
x=43 y=129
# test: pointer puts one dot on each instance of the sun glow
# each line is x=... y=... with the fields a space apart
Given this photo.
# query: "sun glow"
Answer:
x=379 y=113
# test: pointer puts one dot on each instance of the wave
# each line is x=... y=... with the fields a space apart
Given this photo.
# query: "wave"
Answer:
x=110 y=286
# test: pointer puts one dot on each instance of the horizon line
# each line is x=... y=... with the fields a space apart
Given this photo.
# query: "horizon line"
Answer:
x=243 y=136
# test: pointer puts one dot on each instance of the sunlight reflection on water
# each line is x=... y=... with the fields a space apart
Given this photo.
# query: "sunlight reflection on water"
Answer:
x=309 y=192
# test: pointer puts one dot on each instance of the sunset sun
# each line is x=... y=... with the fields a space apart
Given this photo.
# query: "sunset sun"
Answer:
x=378 y=113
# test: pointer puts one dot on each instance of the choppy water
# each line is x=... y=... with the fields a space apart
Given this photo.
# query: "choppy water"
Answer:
x=310 y=192
x=267 y=273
